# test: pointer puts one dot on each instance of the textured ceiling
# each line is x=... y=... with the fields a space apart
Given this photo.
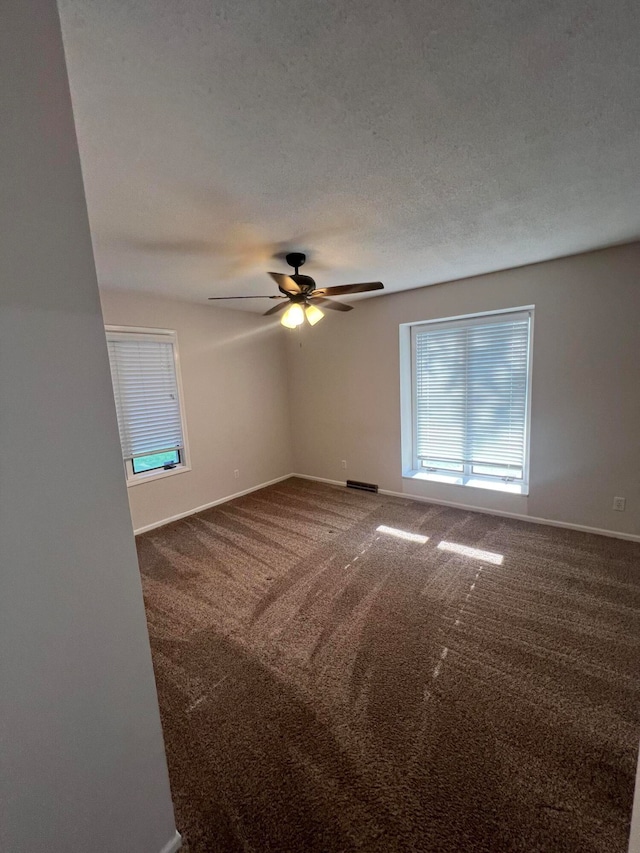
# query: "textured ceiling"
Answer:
x=412 y=142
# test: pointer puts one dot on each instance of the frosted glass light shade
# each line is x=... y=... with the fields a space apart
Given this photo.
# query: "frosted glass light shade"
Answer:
x=293 y=316
x=314 y=315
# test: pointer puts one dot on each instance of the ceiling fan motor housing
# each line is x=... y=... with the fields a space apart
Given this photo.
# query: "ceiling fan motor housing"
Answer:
x=304 y=282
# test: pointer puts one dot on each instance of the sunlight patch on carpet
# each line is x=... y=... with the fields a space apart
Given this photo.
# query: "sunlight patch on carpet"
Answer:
x=474 y=553
x=402 y=534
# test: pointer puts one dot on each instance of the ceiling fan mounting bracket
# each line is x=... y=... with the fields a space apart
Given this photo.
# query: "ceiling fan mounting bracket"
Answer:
x=296 y=260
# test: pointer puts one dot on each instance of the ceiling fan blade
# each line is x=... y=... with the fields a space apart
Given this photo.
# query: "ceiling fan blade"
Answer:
x=329 y=303
x=276 y=308
x=285 y=282
x=246 y=297
x=350 y=288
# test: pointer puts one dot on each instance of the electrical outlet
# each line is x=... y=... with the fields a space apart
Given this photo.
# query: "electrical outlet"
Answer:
x=344 y=463
x=619 y=504
x=236 y=473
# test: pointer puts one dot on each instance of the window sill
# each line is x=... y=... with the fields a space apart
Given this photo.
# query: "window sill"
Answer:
x=156 y=475
x=469 y=482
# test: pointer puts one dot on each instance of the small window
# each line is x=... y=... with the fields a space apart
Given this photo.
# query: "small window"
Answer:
x=146 y=387
x=469 y=400
x=155 y=461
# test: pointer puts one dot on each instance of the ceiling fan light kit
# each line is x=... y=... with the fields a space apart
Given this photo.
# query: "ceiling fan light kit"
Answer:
x=303 y=297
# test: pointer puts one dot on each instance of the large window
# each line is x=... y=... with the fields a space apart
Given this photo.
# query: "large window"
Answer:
x=470 y=382
x=147 y=393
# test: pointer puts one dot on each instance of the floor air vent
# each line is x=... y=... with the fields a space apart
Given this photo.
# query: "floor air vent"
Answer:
x=364 y=487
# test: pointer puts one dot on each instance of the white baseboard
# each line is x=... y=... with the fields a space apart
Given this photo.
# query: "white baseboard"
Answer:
x=634 y=836
x=614 y=534
x=174 y=845
x=197 y=509
x=320 y=479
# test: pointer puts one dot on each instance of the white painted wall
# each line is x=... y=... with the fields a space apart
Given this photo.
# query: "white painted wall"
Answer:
x=585 y=430
x=81 y=750
x=234 y=376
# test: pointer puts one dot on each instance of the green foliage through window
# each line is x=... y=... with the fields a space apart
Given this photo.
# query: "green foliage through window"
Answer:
x=155 y=460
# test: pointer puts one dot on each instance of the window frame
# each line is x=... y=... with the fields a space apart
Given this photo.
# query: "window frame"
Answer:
x=167 y=336
x=412 y=467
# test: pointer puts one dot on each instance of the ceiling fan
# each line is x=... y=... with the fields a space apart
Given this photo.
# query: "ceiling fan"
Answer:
x=302 y=296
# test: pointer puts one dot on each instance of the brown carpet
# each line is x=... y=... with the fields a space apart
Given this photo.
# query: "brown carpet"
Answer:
x=327 y=686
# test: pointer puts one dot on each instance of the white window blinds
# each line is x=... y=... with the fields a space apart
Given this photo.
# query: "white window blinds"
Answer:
x=146 y=392
x=470 y=395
